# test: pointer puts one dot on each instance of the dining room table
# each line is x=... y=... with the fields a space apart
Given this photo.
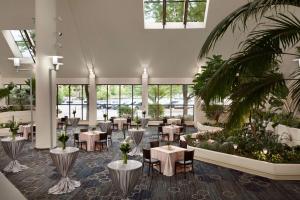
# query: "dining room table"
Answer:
x=174 y=121
x=125 y=176
x=167 y=155
x=13 y=148
x=137 y=137
x=120 y=121
x=90 y=137
x=64 y=159
x=171 y=130
x=26 y=130
x=105 y=125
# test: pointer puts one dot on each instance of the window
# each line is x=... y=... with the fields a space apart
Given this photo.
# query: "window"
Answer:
x=171 y=101
x=72 y=98
x=24 y=40
x=19 y=96
x=160 y=14
x=119 y=100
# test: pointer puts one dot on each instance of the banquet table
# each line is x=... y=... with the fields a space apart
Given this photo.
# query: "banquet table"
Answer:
x=144 y=122
x=167 y=158
x=120 y=122
x=137 y=136
x=171 y=130
x=26 y=130
x=174 y=121
x=90 y=137
x=125 y=176
x=64 y=161
x=12 y=148
x=105 y=125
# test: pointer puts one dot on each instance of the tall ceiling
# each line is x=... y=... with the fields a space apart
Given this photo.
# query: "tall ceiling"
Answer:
x=110 y=35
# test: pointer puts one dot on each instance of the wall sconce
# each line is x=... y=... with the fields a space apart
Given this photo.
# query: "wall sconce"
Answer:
x=56 y=63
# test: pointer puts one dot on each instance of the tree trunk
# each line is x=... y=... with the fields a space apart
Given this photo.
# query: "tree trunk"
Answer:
x=185 y=99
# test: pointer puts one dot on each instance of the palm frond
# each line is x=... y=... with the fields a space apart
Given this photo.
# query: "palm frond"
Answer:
x=255 y=8
x=253 y=94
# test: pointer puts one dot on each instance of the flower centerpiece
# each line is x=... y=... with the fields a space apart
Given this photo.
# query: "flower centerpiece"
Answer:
x=144 y=113
x=125 y=148
x=105 y=117
x=74 y=112
x=63 y=138
x=13 y=127
x=137 y=120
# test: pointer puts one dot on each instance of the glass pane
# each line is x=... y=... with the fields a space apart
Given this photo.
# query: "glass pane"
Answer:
x=153 y=107
x=177 y=100
x=63 y=110
x=153 y=11
x=85 y=102
x=63 y=94
x=191 y=98
x=113 y=100
x=175 y=11
x=137 y=100
x=76 y=100
x=165 y=100
x=126 y=101
x=16 y=35
x=101 y=101
x=196 y=11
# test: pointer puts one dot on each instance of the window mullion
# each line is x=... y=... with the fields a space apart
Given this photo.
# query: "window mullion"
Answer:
x=164 y=13
x=185 y=13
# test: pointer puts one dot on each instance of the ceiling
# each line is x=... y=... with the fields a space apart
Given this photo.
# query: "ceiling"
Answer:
x=110 y=35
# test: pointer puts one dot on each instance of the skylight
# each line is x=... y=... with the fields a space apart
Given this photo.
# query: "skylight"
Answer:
x=21 y=43
x=168 y=14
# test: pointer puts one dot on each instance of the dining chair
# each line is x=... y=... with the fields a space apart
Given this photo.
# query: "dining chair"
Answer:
x=78 y=143
x=188 y=161
x=150 y=161
x=128 y=123
x=154 y=144
x=102 y=141
x=183 y=144
x=109 y=135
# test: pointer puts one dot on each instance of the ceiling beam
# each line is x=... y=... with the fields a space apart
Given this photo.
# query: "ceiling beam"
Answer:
x=164 y=13
x=185 y=13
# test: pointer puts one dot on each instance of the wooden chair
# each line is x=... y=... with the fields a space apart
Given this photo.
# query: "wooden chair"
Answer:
x=102 y=140
x=183 y=144
x=188 y=161
x=79 y=143
x=154 y=144
x=128 y=123
x=150 y=161
x=159 y=131
x=165 y=120
x=84 y=130
x=109 y=135
x=114 y=126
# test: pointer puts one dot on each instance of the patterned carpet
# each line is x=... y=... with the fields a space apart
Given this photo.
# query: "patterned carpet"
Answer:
x=209 y=182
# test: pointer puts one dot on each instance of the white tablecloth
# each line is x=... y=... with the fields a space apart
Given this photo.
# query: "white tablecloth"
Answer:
x=171 y=130
x=174 y=120
x=137 y=136
x=90 y=137
x=167 y=158
x=25 y=129
x=120 y=122
x=125 y=176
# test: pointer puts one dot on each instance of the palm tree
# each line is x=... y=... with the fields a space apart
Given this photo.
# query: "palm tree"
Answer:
x=252 y=74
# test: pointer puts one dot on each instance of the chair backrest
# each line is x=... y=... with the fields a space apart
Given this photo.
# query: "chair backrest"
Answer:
x=84 y=130
x=103 y=136
x=183 y=144
x=146 y=154
x=154 y=144
x=128 y=120
x=181 y=129
x=189 y=155
x=160 y=129
x=165 y=120
x=76 y=136
x=109 y=130
x=112 y=119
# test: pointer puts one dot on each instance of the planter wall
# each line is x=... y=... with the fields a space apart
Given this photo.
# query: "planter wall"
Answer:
x=20 y=116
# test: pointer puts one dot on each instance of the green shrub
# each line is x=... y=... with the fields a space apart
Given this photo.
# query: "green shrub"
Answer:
x=156 y=110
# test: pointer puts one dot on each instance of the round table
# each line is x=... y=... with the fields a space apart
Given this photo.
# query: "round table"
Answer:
x=120 y=122
x=12 y=149
x=125 y=176
x=137 y=136
x=144 y=122
x=105 y=125
x=64 y=160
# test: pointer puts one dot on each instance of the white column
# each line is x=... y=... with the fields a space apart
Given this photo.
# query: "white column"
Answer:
x=45 y=19
x=145 y=78
x=92 y=101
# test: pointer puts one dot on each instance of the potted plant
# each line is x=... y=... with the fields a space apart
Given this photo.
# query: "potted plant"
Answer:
x=74 y=112
x=13 y=127
x=125 y=148
x=144 y=113
x=63 y=138
x=137 y=120
x=105 y=117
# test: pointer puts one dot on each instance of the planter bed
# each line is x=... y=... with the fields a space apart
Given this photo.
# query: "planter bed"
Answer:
x=261 y=168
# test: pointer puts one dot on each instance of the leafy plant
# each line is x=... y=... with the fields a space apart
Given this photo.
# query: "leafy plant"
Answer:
x=214 y=111
x=13 y=127
x=125 y=148
x=63 y=138
x=156 y=110
x=125 y=110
